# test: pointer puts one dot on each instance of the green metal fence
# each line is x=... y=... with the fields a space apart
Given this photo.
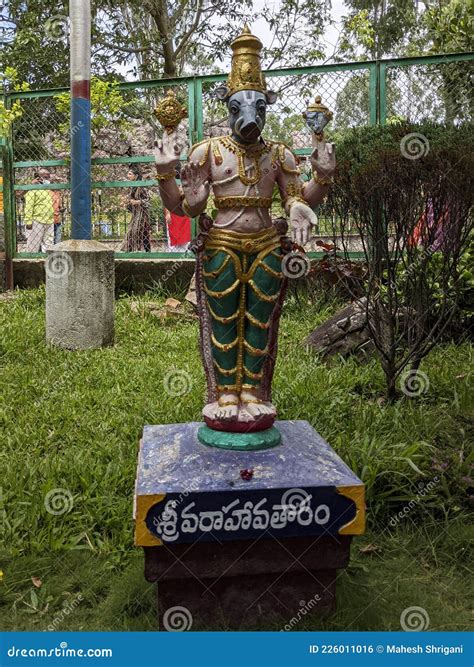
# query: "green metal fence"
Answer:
x=362 y=93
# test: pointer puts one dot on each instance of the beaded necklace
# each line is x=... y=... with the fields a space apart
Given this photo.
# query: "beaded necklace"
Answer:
x=241 y=151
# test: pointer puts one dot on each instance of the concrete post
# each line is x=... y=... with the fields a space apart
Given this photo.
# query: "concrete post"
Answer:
x=80 y=295
x=80 y=274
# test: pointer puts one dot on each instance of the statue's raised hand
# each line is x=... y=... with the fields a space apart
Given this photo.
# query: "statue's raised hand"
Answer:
x=167 y=153
x=323 y=159
x=195 y=187
x=301 y=220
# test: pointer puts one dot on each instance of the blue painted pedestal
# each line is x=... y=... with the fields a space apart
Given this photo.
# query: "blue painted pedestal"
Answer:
x=236 y=536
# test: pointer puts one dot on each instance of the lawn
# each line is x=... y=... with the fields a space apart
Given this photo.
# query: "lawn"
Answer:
x=72 y=421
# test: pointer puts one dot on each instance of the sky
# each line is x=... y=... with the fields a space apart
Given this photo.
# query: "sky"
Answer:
x=338 y=10
x=260 y=29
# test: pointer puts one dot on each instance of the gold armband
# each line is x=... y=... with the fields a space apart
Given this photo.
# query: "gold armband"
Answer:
x=294 y=200
x=323 y=180
x=166 y=177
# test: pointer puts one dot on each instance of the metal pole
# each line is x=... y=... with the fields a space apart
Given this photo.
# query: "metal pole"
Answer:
x=80 y=43
x=9 y=213
x=9 y=207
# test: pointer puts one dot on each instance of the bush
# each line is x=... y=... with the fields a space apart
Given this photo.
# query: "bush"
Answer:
x=407 y=190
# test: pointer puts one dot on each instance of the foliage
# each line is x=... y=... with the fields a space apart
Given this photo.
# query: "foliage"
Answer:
x=76 y=418
x=157 y=211
x=373 y=29
x=164 y=38
x=352 y=103
x=158 y=38
x=115 y=596
x=358 y=26
x=450 y=26
x=107 y=113
x=456 y=295
x=414 y=220
x=282 y=127
x=37 y=47
x=8 y=116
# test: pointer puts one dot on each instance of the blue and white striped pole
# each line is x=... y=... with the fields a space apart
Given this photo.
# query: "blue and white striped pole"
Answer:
x=80 y=42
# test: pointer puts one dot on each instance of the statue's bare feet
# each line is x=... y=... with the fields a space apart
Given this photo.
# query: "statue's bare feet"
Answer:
x=254 y=406
x=244 y=414
x=225 y=409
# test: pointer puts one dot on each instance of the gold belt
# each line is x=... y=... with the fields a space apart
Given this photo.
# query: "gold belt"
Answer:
x=250 y=242
x=242 y=201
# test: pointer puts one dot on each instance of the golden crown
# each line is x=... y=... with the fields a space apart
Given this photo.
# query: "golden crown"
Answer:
x=246 y=71
x=317 y=105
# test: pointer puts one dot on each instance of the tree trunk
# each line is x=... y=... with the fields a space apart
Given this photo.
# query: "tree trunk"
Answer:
x=390 y=380
x=159 y=12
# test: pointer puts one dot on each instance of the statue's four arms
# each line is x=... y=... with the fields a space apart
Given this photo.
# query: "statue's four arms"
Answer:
x=239 y=275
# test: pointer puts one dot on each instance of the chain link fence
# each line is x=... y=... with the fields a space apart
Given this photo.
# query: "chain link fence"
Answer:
x=124 y=131
x=441 y=92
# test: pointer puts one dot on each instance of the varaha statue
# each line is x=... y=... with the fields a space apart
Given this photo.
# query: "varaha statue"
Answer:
x=239 y=278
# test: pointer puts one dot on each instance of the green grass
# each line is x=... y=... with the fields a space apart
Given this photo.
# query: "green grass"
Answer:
x=408 y=569
x=72 y=420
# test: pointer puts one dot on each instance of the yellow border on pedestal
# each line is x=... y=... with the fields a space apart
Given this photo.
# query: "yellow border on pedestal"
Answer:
x=356 y=526
x=143 y=537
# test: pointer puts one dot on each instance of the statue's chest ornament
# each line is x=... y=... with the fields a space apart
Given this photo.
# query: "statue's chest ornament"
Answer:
x=254 y=155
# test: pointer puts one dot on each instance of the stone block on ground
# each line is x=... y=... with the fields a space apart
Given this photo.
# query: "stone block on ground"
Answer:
x=228 y=533
x=80 y=295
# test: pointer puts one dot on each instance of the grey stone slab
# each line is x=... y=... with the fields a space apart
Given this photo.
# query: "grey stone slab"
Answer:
x=172 y=460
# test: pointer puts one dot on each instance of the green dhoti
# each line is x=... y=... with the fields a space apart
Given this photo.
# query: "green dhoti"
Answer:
x=242 y=281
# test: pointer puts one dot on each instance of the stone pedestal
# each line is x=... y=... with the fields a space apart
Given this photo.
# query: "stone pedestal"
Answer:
x=80 y=295
x=244 y=539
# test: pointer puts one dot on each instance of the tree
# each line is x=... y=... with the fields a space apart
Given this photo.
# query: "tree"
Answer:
x=38 y=46
x=159 y=38
x=414 y=221
x=284 y=128
x=109 y=122
x=377 y=28
x=8 y=116
x=168 y=37
x=450 y=28
x=381 y=28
